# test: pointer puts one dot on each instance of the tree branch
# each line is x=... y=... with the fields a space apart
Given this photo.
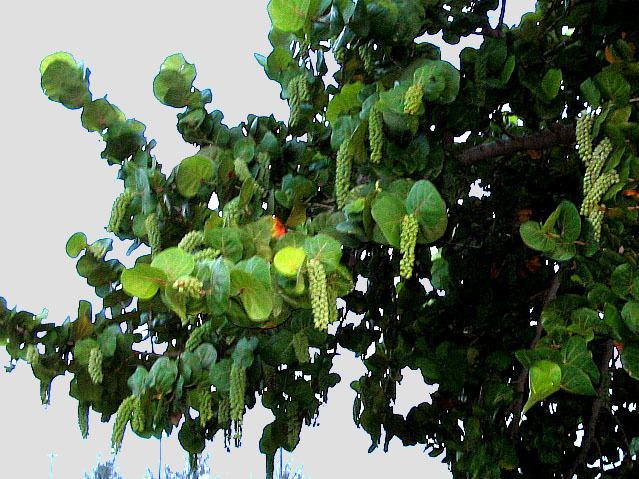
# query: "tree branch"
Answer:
x=501 y=15
x=556 y=135
x=602 y=394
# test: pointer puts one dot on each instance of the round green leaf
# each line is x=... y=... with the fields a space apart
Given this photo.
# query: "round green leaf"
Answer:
x=137 y=380
x=63 y=80
x=345 y=102
x=425 y=202
x=544 y=379
x=172 y=85
x=191 y=172
x=175 y=262
x=288 y=15
x=216 y=278
x=142 y=281
x=388 y=211
x=623 y=281
x=325 y=249
x=551 y=82
x=568 y=222
x=75 y=244
x=630 y=315
x=256 y=298
x=630 y=361
x=100 y=114
x=162 y=375
x=287 y=261
x=533 y=237
x=61 y=57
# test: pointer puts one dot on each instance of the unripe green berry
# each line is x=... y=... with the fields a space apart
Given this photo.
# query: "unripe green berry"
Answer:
x=153 y=232
x=236 y=397
x=413 y=98
x=118 y=212
x=407 y=242
x=343 y=174
x=83 y=418
x=207 y=253
x=191 y=241
x=95 y=365
x=205 y=407
x=376 y=133
x=122 y=417
x=138 y=420
x=318 y=293
x=190 y=286
x=198 y=335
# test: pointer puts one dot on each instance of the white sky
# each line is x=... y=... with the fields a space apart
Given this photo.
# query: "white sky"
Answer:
x=54 y=184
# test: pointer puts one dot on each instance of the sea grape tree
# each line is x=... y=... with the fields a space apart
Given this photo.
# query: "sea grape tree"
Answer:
x=521 y=306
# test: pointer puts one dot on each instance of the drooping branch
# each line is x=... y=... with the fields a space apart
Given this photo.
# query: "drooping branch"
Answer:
x=602 y=393
x=556 y=135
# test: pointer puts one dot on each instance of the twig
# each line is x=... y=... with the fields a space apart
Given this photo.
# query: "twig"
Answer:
x=555 y=135
x=602 y=393
x=501 y=15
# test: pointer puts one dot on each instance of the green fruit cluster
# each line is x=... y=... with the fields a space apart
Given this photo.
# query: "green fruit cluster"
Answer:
x=198 y=335
x=236 y=397
x=407 y=242
x=413 y=98
x=590 y=207
x=298 y=93
x=118 y=212
x=231 y=212
x=300 y=346
x=593 y=197
x=367 y=56
x=318 y=293
x=376 y=134
x=98 y=249
x=205 y=407
x=191 y=241
x=32 y=356
x=224 y=411
x=138 y=419
x=206 y=253
x=596 y=164
x=189 y=286
x=344 y=163
x=595 y=183
x=95 y=365
x=83 y=418
x=153 y=232
x=122 y=417
x=584 y=136
x=596 y=220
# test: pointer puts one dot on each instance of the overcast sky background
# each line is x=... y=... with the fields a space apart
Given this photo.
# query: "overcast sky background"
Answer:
x=54 y=184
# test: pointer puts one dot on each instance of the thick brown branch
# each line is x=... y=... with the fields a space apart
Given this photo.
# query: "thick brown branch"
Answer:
x=557 y=134
x=602 y=394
